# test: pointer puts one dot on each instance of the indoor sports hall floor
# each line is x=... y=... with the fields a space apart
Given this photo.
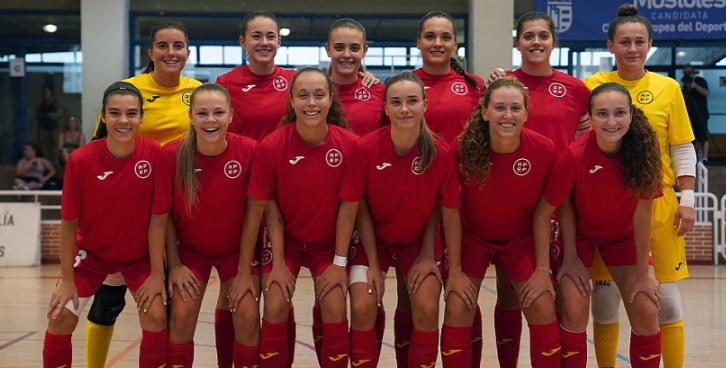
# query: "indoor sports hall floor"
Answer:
x=25 y=292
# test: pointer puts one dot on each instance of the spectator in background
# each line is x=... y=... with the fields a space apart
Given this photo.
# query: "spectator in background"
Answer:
x=695 y=93
x=70 y=139
x=48 y=113
x=32 y=171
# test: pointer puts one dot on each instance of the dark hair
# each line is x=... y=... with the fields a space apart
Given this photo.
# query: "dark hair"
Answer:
x=186 y=178
x=628 y=13
x=640 y=153
x=336 y=115
x=346 y=23
x=68 y=118
x=167 y=24
x=117 y=88
x=36 y=148
x=532 y=16
x=454 y=63
x=426 y=143
x=256 y=14
x=475 y=140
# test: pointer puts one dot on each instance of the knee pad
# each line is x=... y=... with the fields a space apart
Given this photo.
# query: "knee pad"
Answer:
x=605 y=302
x=671 y=309
x=108 y=302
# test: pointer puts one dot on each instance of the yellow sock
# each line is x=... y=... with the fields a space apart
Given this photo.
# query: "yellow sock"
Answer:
x=606 y=343
x=672 y=344
x=98 y=339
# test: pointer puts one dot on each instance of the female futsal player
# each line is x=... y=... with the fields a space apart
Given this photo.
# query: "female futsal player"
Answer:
x=113 y=220
x=629 y=40
x=612 y=174
x=406 y=217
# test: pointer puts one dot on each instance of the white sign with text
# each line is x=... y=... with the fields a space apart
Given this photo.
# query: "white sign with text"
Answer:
x=19 y=234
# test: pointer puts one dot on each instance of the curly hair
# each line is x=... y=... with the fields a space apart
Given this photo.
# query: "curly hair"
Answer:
x=475 y=140
x=336 y=115
x=640 y=153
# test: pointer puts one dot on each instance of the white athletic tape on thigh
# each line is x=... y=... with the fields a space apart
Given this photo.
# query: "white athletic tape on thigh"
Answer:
x=81 y=304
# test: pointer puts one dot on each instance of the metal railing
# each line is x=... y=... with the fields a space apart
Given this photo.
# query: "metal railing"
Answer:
x=50 y=202
x=701 y=187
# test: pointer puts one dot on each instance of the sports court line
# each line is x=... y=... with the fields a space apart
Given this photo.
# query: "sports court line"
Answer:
x=17 y=339
x=123 y=353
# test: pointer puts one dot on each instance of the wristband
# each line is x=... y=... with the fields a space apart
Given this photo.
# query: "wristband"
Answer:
x=340 y=261
x=688 y=198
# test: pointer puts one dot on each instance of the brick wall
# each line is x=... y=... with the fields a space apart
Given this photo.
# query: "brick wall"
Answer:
x=49 y=242
x=699 y=245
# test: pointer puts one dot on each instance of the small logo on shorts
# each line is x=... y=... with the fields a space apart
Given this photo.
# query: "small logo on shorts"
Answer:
x=266 y=257
x=232 y=169
x=554 y=251
x=334 y=158
x=521 y=167
x=459 y=88
x=351 y=253
x=362 y=94
x=558 y=90
x=645 y=97
x=416 y=167
x=678 y=268
x=279 y=83
x=142 y=169
x=186 y=97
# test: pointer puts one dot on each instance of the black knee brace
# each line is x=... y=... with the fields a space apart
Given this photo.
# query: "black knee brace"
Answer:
x=108 y=303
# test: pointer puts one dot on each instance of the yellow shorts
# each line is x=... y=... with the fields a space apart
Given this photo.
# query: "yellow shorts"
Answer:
x=668 y=249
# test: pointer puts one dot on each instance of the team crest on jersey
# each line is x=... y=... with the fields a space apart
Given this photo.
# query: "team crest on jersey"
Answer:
x=416 y=166
x=645 y=97
x=232 y=169
x=279 y=83
x=142 y=169
x=351 y=253
x=362 y=94
x=333 y=157
x=522 y=167
x=554 y=251
x=561 y=13
x=459 y=88
x=266 y=257
x=557 y=89
x=186 y=97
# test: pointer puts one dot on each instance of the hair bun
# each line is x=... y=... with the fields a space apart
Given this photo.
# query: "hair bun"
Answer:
x=627 y=10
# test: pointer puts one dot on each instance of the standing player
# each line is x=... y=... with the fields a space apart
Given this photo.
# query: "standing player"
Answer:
x=166 y=93
x=406 y=217
x=303 y=160
x=630 y=39
x=613 y=173
x=113 y=220
x=209 y=171
x=504 y=167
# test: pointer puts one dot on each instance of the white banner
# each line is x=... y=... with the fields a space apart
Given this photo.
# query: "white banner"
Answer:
x=19 y=234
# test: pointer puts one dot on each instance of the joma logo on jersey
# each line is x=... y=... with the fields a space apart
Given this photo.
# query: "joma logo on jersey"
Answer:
x=561 y=13
x=521 y=167
x=232 y=169
x=362 y=94
x=459 y=88
x=279 y=83
x=142 y=169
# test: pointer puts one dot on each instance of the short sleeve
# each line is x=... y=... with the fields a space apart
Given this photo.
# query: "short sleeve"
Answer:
x=353 y=184
x=263 y=173
x=450 y=188
x=679 y=125
x=71 y=197
x=561 y=179
x=163 y=198
x=701 y=82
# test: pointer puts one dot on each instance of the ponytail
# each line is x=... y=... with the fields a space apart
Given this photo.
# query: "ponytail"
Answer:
x=186 y=178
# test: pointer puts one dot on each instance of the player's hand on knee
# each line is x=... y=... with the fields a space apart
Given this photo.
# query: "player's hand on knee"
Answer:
x=376 y=283
x=684 y=219
x=648 y=285
x=242 y=284
x=333 y=276
x=538 y=284
x=281 y=275
x=152 y=286
x=459 y=284
x=421 y=268
x=185 y=281
x=64 y=291
x=573 y=267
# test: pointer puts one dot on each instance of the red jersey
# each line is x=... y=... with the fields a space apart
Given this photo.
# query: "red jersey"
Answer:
x=258 y=100
x=557 y=104
x=400 y=196
x=304 y=179
x=113 y=199
x=604 y=206
x=450 y=102
x=502 y=211
x=214 y=227
x=363 y=106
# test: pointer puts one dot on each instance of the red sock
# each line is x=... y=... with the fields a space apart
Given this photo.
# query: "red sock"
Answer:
x=291 y=336
x=181 y=355
x=245 y=356
x=508 y=332
x=645 y=351
x=57 y=351
x=476 y=339
x=380 y=328
x=455 y=346
x=424 y=349
x=545 y=349
x=363 y=350
x=574 y=348
x=273 y=344
x=402 y=328
x=336 y=345
x=224 y=337
x=317 y=332
x=153 y=349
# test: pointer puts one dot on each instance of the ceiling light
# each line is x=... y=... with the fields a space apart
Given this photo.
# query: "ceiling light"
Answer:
x=50 y=28
x=284 y=32
x=681 y=54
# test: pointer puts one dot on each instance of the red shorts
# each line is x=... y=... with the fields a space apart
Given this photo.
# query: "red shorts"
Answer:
x=517 y=258
x=90 y=271
x=400 y=256
x=226 y=265
x=315 y=256
x=615 y=254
